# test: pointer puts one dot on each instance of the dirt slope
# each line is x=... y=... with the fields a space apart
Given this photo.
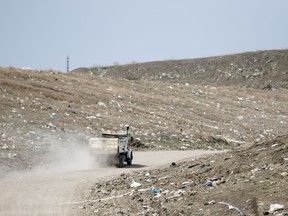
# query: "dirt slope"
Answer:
x=233 y=102
x=262 y=69
x=250 y=179
x=163 y=114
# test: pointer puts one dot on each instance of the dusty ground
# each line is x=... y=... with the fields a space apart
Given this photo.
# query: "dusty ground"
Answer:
x=236 y=102
x=250 y=179
x=63 y=188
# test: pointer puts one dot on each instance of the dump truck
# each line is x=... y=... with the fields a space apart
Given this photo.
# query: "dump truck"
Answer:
x=113 y=147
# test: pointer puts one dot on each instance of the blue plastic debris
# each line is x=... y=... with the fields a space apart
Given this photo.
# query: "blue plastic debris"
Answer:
x=155 y=191
x=208 y=183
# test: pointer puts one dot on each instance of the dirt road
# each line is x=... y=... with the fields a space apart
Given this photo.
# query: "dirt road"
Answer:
x=57 y=192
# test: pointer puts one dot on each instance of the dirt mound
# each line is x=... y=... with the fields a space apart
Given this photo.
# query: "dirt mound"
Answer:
x=179 y=113
x=249 y=179
x=138 y=145
x=185 y=104
x=262 y=69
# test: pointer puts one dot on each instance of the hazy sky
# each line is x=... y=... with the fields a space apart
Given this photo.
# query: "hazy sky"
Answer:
x=40 y=34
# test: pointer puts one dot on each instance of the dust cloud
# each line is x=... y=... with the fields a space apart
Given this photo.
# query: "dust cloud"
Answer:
x=69 y=153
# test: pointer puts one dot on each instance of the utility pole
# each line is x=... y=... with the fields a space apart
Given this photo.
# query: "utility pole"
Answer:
x=67 y=66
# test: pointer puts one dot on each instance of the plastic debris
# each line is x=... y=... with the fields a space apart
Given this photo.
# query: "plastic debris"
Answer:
x=5 y=147
x=179 y=192
x=214 y=182
x=5 y=93
x=155 y=191
x=150 y=179
x=193 y=165
x=135 y=184
x=233 y=207
x=212 y=202
x=275 y=207
x=54 y=116
x=138 y=198
x=157 y=195
x=286 y=161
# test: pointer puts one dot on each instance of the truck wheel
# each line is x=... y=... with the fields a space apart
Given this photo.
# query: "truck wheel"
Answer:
x=121 y=160
x=129 y=161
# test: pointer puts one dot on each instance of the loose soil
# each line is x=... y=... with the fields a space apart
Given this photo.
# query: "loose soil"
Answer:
x=236 y=103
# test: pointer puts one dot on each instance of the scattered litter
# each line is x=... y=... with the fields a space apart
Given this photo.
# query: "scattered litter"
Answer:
x=208 y=184
x=137 y=198
x=5 y=93
x=212 y=202
x=150 y=179
x=155 y=191
x=158 y=195
x=50 y=125
x=135 y=184
x=5 y=147
x=177 y=193
x=165 y=192
x=101 y=104
x=193 y=165
x=162 y=178
x=233 y=207
x=97 y=200
x=275 y=207
x=54 y=116
x=11 y=155
x=90 y=117
x=204 y=165
x=143 y=189
x=286 y=161
x=189 y=182
x=214 y=182
x=195 y=93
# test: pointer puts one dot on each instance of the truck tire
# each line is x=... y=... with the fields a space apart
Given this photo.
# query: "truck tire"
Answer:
x=129 y=161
